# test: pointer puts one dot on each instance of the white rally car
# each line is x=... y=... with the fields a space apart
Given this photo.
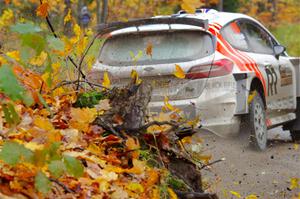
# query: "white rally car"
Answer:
x=235 y=70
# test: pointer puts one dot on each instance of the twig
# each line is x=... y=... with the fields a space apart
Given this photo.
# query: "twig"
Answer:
x=66 y=189
x=211 y=163
x=56 y=36
x=64 y=83
x=158 y=151
x=107 y=126
x=174 y=125
x=84 y=55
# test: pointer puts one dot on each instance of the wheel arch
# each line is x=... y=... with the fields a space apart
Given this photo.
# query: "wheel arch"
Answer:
x=257 y=85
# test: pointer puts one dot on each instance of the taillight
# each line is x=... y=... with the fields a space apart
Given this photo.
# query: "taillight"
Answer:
x=217 y=68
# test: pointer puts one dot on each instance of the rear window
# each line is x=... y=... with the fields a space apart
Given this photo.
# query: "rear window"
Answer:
x=165 y=47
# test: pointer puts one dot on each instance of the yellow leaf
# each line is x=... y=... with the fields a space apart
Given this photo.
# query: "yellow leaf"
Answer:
x=82 y=43
x=55 y=67
x=81 y=118
x=2 y=61
x=155 y=193
x=251 y=96
x=132 y=144
x=39 y=60
x=89 y=32
x=14 y=55
x=106 y=81
x=43 y=123
x=34 y=146
x=190 y=6
x=42 y=10
x=136 y=187
x=195 y=122
x=135 y=77
x=294 y=183
x=77 y=30
x=168 y=106
x=236 y=194
x=172 y=194
x=68 y=17
x=296 y=146
x=251 y=197
x=205 y=158
x=46 y=76
x=187 y=140
x=6 y=18
x=179 y=73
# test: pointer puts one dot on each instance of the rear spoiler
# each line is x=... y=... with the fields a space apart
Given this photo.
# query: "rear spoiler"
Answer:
x=110 y=27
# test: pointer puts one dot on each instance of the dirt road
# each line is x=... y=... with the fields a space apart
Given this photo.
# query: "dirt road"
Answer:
x=266 y=174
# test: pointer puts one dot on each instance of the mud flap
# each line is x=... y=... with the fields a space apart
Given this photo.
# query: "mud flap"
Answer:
x=241 y=93
x=295 y=124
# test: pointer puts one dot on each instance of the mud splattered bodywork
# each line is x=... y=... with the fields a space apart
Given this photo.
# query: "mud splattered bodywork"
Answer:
x=222 y=65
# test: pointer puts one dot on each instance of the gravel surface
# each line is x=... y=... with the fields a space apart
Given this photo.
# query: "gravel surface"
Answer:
x=266 y=174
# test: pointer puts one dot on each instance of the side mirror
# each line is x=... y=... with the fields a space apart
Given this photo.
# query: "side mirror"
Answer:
x=278 y=50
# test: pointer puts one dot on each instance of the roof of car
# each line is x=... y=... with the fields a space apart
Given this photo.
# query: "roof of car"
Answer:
x=213 y=16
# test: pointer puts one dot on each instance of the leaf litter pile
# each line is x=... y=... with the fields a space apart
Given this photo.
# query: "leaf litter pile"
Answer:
x=96 y=144
x=59 y=139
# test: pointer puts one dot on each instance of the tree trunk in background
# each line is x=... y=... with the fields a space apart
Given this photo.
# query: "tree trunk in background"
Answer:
x=104 y=11
x=98 y=11
x=79 y=6
x=274 y=10
x=220 y=5
x=206 y=3
x=67 y=26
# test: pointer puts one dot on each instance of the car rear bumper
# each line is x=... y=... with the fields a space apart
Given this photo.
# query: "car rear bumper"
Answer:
x=216 y=107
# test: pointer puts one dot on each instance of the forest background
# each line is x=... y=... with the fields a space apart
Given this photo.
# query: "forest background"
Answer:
x=282 y=17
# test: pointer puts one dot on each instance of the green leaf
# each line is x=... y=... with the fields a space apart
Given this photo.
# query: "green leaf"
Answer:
x=10 y=114
x=42 y=183
x=34 y=41
x=56 y=168
x=55 y=43
x=53 y=151
x=73 y=166
x=13 y=152
x=24 y=28
x=9 y=84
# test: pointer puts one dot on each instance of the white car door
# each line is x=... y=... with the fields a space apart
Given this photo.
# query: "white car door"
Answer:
x=277 y=70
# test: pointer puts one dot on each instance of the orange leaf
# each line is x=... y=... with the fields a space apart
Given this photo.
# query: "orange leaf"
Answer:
x=149 y=49
x=132 y=144
x=42 y=10
x=152 y=178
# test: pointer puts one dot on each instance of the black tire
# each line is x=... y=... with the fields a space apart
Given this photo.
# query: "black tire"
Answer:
x=295 y=135
x=255 y=124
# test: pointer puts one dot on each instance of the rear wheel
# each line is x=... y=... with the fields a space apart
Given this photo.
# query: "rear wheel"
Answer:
x=255 y=123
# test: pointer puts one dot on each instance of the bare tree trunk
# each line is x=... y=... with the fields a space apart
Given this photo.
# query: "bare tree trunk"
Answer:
x=67 y=26
x=220 y=5
x=274 y=10
x=79 y=6
x=98 y=11
x=104 y=11
x=206 y=3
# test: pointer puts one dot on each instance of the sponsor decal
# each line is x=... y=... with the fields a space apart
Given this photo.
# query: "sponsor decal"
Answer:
x=242 y=60
x=286 y=76
x=272 y=80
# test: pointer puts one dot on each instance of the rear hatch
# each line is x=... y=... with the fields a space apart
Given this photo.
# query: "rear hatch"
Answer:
x=154 y=55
